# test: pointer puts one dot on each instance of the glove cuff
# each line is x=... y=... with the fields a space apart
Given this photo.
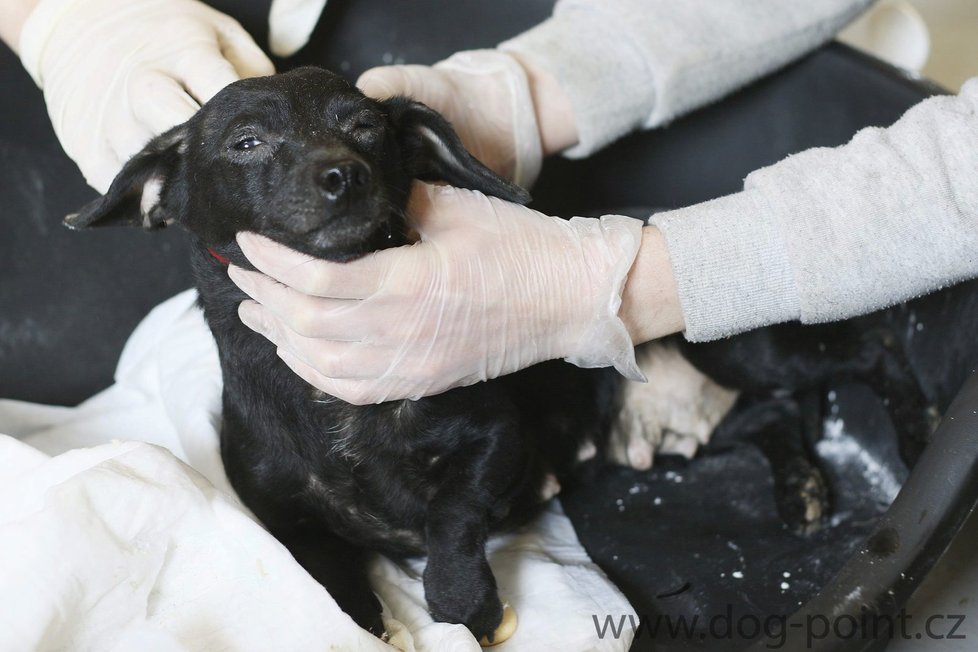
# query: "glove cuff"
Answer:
x=526 y=133
x=606 y=342
x=36 y=32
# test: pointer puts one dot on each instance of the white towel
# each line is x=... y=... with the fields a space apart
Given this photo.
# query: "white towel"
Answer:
x=119 y=531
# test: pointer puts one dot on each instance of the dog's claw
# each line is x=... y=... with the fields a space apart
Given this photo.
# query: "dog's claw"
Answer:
x=505 y=630
x=802 y=496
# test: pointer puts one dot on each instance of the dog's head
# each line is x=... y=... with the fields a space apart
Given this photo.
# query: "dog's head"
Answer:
x=301 y=157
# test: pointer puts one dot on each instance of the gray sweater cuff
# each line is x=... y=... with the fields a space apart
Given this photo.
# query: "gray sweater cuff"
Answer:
x=592 y=77
x=732 y=282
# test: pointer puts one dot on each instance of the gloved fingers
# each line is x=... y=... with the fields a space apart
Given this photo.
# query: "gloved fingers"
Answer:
x=204 y=72
x=100 y=174
x=414 y=81
x=433 y=208
x=439 y=208
x=352 y=391
x=240 y=49
x=356 y=279
x=338 y=360
x=306 y=315
x=160 y=102
x=290 y=24
x=363 y=392
x=382 y=82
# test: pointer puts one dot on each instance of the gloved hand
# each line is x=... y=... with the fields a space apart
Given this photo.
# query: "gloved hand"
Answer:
x=485 y=95
x=490 y=288
x=115 y=73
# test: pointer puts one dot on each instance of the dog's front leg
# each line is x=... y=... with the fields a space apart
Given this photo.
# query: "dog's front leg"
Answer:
x=459 y=585
x=340 y=567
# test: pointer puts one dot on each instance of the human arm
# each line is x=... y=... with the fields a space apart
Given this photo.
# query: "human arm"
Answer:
x=630 y=64
x=117 y=72
x=831 y=233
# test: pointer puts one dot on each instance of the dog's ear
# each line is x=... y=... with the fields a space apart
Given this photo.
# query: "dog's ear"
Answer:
x=133 y=198
x=433 y=152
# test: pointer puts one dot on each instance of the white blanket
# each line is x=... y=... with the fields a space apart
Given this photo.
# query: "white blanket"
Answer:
x=119 y=531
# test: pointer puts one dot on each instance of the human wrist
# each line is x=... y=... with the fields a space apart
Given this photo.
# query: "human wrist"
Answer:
x=732 y=265
x=650 y=305
x=554 y=112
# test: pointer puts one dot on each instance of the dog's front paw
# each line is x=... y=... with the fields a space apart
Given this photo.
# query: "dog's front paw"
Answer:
x=365 y=610
x=468 y=598
x=801 y=495
x=675 y=412
x=372 y=622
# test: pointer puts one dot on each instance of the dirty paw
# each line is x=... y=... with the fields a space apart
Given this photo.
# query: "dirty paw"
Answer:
x=802 y=496
x=674 y=413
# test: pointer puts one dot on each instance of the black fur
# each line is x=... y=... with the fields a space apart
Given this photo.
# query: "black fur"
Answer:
x=305 y=159
x=801 y=358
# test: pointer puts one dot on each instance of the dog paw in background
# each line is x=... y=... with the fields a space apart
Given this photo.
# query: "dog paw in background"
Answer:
x=675 y=412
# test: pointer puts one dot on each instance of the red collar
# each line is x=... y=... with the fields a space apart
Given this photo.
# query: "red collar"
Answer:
x=218 y=257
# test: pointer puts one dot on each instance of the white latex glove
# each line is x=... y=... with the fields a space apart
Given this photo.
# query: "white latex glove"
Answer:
x=490 y=288
x=290 y=24
x=485 y=95
x=115 y=73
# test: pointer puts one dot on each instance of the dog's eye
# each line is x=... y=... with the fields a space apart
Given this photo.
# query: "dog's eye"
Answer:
x=247 y=143
x=365 y=126
x=367 y=123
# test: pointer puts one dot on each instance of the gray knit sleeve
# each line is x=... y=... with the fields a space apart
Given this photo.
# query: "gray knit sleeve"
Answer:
x=835 y=232
x=629 y=64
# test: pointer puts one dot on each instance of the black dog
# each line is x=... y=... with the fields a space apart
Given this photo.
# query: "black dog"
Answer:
x=307 y=160
x=782 y=373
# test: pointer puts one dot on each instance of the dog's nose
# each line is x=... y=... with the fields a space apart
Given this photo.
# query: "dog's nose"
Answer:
x=341 y=179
